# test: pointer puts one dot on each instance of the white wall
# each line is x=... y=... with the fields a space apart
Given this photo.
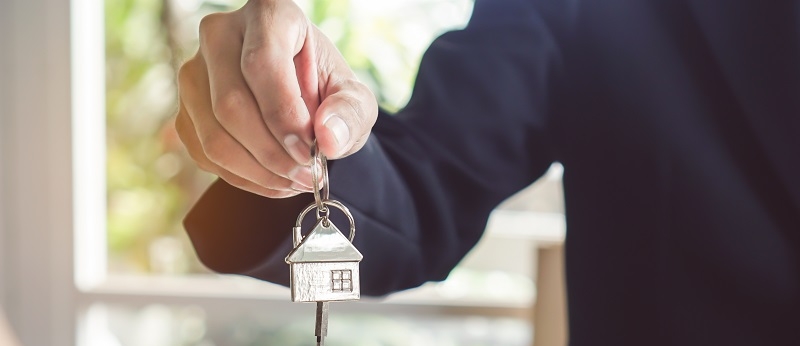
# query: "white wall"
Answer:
x=35 y=159
x=4 y=10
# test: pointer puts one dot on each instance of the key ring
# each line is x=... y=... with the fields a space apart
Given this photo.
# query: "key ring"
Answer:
x=297 y=237
x=319 y=166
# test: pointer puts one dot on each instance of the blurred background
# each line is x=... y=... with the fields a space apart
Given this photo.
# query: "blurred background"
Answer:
x=106 y=182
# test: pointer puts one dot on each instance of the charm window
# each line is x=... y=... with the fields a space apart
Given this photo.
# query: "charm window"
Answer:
x=341 y=280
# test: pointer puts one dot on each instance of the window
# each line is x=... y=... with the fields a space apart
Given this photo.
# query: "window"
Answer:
x=341 y=281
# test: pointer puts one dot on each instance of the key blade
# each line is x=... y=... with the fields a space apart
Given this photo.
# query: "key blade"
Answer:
x=321 y=325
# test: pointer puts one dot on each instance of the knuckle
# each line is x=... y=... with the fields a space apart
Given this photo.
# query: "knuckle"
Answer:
x=268 y=179
x=261 y=4
x=183 y=131
x=293 y=14
x=282 y=114
x=276 y=8
x=364 y=104
x=358 y=118
x=229 y=106
x=272 y=160
x=186 y=74
x=180 y=123
x=183 y=73
x=185 y=135
x=215 y=148
x=211 y=23
x=201 y=160
x=255 y=59
x=364 y=90
x=215 y=29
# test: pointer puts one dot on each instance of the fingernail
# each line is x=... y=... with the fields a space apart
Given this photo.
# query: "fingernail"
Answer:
x=301 y=176
x=299 y=151
x=338 y=127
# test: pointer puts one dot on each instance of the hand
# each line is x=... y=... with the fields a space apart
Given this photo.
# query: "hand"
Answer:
x=264 y=83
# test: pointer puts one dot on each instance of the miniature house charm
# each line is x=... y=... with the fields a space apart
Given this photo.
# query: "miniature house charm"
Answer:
x=324 y=265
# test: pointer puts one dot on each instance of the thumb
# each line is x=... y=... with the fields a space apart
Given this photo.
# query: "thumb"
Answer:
x=343 y=121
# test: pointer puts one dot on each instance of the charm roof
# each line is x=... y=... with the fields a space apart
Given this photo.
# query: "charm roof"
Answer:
x=324 y=244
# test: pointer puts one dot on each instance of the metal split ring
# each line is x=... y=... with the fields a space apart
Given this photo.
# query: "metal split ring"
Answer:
x=319 y=166
x=326 y=203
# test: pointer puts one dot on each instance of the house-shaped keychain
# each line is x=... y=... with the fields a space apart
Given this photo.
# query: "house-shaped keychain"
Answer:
x=324 y=266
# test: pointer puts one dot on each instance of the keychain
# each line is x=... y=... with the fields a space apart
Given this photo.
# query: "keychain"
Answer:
x=324 y=264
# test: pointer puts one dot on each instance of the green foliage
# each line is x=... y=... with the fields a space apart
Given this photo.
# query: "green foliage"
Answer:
x=150 y=181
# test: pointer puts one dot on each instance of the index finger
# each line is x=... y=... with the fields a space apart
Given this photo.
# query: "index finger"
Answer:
x=275 y=39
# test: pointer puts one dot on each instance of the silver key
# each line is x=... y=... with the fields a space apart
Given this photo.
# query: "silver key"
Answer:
x=321 y=329
x=324 y=265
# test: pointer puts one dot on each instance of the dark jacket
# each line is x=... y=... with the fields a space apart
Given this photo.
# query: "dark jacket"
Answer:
x=678 y=125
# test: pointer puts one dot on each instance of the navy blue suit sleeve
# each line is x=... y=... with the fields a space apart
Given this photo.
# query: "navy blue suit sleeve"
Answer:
x=422 y=188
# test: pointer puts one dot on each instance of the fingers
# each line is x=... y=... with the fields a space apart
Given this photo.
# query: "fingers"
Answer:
x=187 y=134
x=277 y=64
x=263 y=84
x=343 y=121
x=217 y=145
x=345 y=118
x=236 y=109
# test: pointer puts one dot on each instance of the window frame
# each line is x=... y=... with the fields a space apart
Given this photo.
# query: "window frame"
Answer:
x=36 y=164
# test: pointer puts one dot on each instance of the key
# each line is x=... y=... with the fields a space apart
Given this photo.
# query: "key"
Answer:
x=321 y=329
x=324 y=264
